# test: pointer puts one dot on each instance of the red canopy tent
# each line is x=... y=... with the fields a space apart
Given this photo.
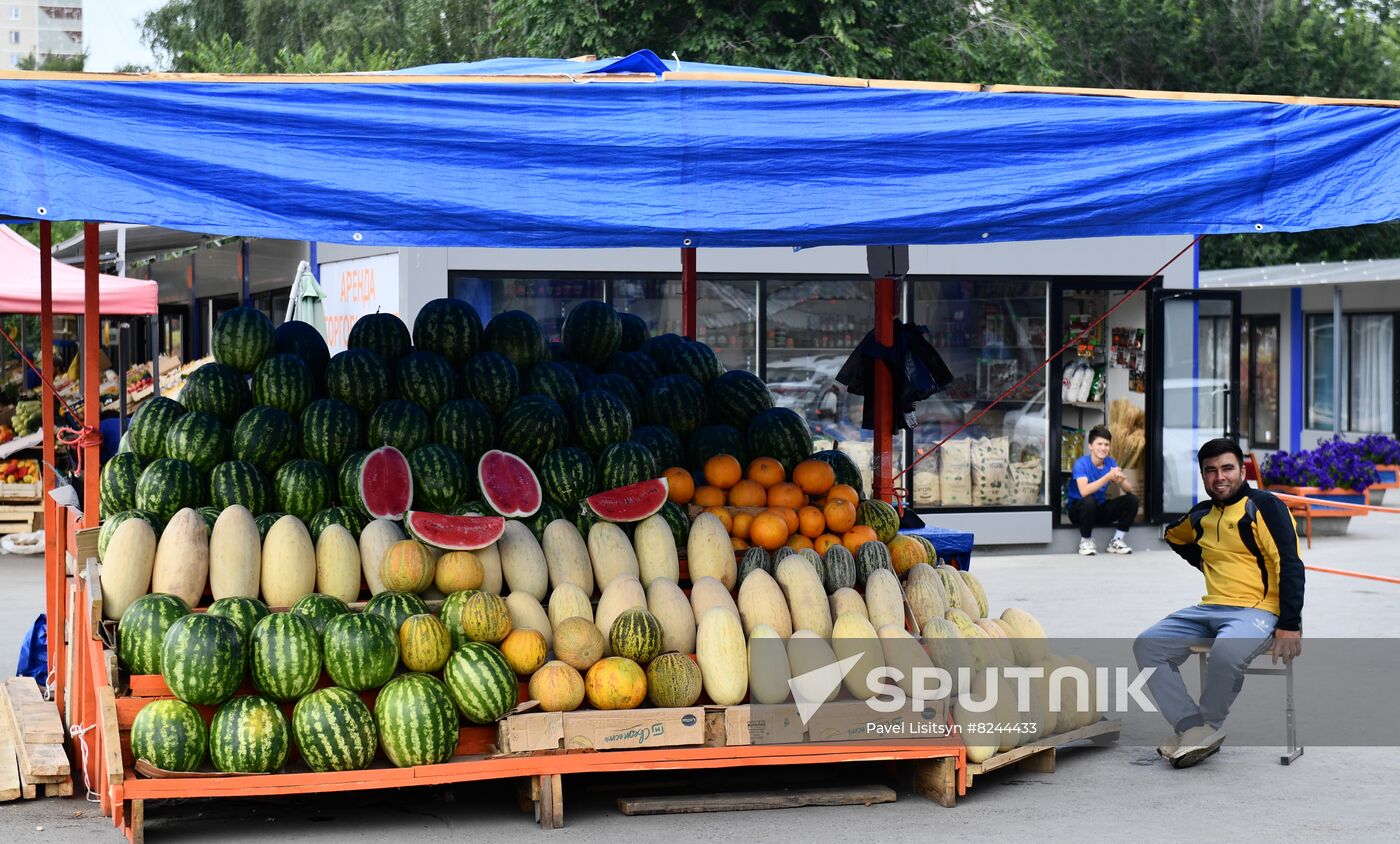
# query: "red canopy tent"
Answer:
x=20 y=293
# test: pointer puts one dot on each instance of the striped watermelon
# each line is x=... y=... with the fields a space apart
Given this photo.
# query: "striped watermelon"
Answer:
x=591 y=332
x=843 y=467
x=581 y=371
x=626 y=463
x=662 y=348
x=283 y=382
x=239 y=482
x=359 y=650
x=424 y=643
x=599 y=419
x=533 y=426
x=639 y=368
x=634 y=332
x=401 y=424
x=360 y=378
x=450 y=328
x=242 y=338
x=301 y=340
x=330 y=431
x=142 y=631
x=334 y=731
x=114 y=521
x=394 y=607
x=636 y=634
x=249 y=735
x=679 y=521
x=218 y=390
x=318 y=609
x=695 y=359
x=245 y=613
x=567 y=476
x=710 y=440
x=481 y=682
x=426 y=379
x=117 y=488
x=197 y=438
x=663 y=444
x=347 y=482
x=737 y=396
x=385 y=486
x=678 y=402
x=416 y=721
x=492 y=379
x=441 y=479
x=304 y=488
x=622 y=387
x=171 y=735
x=451 y=615
x=383 y=334
x=202 y=658
x=673 y=679
x=879 y=516
x=286 y=656
x=266 y=521
x=547 y=513
x=210 y=515
x=551 y=379
x=266 y=437
x=518 y=336
x=149 y=425
x=347 y=518
x=781 y=434
x=168 y=486
x=467 y=427
x=508 y=484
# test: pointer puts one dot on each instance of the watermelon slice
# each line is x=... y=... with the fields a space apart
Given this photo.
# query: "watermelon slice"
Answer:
x=386 y=483
x=508 y=484
x=630 y=503
x=454 y=533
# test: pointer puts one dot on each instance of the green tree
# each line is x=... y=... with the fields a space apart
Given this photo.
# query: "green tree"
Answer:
x=53 y=61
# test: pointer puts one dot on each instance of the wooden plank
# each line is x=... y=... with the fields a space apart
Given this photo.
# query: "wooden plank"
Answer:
x=138 y=822
x=10 y=788
x=937 y=780
x=111 y=734
x=37 y=762
x=1011 y=757
x=757 y=800
x=59 y=789
x=39 y=723
x=1039 y=763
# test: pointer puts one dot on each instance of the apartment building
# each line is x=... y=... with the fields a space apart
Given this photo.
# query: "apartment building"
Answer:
x=41 y=28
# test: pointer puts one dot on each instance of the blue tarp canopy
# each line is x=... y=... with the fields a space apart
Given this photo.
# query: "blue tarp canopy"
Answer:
x=630 y=152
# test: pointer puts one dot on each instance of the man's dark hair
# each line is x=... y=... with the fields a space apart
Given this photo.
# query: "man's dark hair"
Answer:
x=1098 y=432
x=1217 y=447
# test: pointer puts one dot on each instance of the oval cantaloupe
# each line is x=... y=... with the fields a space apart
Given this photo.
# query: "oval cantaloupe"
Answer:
x=884 y=600
x=806 y=597
x=668 y=603
x=522 y=560
x=337 y=564
x=181 y=566
x=612 y=554
x=903 y=653
x=566 y=554
x=979 y=594
x=925 y=601
x=526 y=613
x=492 y=580
x=761 y=604
x=846 y=600
x=919 y=573
x=235 y=555
x=723 y=654
x=623 y=593
x=706 y=593
x=1027 y=636
x=709 y=552
x=126 y=568
x=567 y=601
x=768 y=666
x=375 y=541
x=288 y=563
x=656 y=550
x=807 y=652
x=852 y=636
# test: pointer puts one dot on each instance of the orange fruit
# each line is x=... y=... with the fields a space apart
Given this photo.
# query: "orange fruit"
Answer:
x=840 y=515
x=748 y=494
x=709 y=496
x=814 y=477
x=810 y=522
x=845 y=492
x=738 y=544
x=825 y=541
x=766 y=471
x=722 y=513
x=797 y=542
x=723 y=471
x=768 y=530
x=789 y=517
x=680 y=486
x=858 y=536
x=786 y=495
x=742 y=523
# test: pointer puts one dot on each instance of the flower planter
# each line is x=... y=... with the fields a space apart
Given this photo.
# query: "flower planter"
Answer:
x=1334 y=520
x=1390 y=479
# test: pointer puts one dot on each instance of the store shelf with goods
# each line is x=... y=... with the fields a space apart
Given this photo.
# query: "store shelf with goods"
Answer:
x=1084 y=405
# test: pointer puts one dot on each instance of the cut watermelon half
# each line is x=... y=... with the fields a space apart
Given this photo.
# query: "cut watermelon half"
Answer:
x=386 y=483
x=454 y=533
x=630 y=503
x=508 y=484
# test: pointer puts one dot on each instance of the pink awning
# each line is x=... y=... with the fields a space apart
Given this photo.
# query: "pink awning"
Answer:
x=19 y=284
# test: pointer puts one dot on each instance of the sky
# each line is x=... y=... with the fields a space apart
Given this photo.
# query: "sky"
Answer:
x=112 y=34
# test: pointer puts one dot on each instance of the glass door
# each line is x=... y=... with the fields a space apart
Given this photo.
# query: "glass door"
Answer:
x=1196 y=343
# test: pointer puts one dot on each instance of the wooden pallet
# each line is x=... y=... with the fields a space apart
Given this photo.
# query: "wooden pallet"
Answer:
x=32 y=757
x=21 y=518
x=1039 y=756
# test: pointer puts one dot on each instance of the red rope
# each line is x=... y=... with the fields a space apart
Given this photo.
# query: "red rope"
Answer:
x=84 y=436
x=1066 y=347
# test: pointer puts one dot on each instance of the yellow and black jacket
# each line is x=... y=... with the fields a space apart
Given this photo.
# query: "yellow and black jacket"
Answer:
x=1248 y=549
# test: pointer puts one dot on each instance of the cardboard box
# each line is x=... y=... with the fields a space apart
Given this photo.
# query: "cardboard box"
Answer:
x=530 y=731
x=763 y=724
x=632 y=729
x=854 y=720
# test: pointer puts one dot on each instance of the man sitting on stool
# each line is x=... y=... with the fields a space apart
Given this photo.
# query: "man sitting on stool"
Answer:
x=1089 y=506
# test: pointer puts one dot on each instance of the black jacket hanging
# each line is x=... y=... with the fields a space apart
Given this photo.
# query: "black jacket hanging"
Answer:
x=917 y=371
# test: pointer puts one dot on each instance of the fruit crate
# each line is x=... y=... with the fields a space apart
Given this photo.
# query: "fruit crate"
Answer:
x=21 y=518
x=20 y=492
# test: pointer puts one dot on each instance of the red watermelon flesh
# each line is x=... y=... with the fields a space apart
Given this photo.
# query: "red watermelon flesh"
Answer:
x=508 y=484
x=386 y=483
x=454 y=533
x=630 y=503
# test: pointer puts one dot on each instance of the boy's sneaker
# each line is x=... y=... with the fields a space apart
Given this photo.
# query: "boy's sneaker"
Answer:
x=1197 y=743
x=1086 y=548
x=1118 y=546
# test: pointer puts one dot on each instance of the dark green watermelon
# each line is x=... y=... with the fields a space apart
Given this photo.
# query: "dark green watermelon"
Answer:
x=533 y=426
x=781 y=434
x=844 y=468
x=518 y=336
x=330 y=430
x=639 y=368
x=634 y=332
x=450 y=328
x=664 y=444
x=150 y=424
x=118 y=485
x=197 y=438
x=663 y=348
x=441 y=479
x=567 y=476
x=283 y=382
x=736 y=397
x=401 y=424
x=304 y=488
x=599 y=419
x=266 y=437
x=348 y=483
x=302 y=340
x=347 y=518
x=710 y=440
x=626 y=463
x=591 y=332
x=491 y=379
x=467 y=427
x=167 y=486
x=426 y=379
x=553 y=380
x=240 y=482
x=218 y=390
x=678 y=402
x=622 y=387
x=383 y=334
x=360 y=378
x=679 y=520
x=696 y=360
x=242 y=338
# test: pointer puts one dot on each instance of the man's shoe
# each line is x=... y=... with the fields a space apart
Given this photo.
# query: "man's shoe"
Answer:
x=1118 y=546
x=1197 y=744
x=1170 y=746
x=1086 y=548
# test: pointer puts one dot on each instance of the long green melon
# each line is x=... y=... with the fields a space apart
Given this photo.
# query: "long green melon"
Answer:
x=360 y=651
x=171 y=735
x=242 y=338
x=481 y=682
x=334 y=730
x=249 y=735
x=286 y=656
x=142 y=631
x=202 y=658
x=416 y=720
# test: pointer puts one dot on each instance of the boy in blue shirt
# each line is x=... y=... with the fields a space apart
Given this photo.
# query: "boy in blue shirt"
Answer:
x=1089 y=505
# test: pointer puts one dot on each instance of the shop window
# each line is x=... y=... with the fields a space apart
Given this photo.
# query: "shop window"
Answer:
x=546 y=299
x=991 y=333
x=1319 y=372
x=1368 y=373
x=725 y=316
x=1259 y=380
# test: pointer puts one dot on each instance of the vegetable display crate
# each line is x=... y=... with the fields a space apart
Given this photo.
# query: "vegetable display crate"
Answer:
x=21 y=518
x=1039 y=756
x=19 y=492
